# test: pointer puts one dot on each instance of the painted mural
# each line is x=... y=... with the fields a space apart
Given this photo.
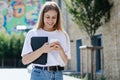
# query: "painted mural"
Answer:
x=15 y=13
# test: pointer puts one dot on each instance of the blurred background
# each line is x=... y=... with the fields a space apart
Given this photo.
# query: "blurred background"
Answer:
x=17 y=17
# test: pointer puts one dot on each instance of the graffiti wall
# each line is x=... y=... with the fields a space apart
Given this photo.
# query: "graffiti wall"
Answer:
x=15 y=13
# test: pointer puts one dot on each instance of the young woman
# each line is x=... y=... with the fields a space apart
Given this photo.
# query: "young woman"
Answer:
x=57 y=48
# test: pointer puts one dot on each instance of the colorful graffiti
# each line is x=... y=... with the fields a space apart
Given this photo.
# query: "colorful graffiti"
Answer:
x=14 y=13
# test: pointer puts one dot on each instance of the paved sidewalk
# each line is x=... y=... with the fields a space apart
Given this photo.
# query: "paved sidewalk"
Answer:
x=21 y=74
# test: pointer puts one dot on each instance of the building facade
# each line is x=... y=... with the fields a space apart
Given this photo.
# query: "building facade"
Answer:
x=107 y=36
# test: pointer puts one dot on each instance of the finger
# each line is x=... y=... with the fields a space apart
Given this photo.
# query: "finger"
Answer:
x=46 y=43
x=56 y=42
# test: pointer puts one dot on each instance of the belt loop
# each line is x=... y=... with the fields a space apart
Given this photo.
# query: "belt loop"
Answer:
x=48 y=68
x=43 y=68
x=57 y=68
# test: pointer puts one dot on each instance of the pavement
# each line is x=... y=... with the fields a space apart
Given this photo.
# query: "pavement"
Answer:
x=22 y=74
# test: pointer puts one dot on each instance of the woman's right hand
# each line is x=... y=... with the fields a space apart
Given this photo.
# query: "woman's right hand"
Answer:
x=47 y=48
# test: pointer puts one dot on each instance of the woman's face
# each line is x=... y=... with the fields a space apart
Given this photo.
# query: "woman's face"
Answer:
x=50 y=19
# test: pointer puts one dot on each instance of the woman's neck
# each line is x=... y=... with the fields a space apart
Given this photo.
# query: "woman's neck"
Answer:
x=49 y=30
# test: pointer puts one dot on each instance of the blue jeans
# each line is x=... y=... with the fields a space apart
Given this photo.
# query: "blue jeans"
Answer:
x=39 y=74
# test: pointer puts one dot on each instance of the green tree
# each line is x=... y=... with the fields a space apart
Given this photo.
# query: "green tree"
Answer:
x=89 y=14
x=4 y=40
x=10 y=49
x=15 y=47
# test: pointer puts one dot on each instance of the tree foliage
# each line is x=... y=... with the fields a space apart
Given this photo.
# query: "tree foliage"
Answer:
x=89 y=14
x=10 y=49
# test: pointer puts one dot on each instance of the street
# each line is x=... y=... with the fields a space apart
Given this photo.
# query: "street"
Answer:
x=21 y=74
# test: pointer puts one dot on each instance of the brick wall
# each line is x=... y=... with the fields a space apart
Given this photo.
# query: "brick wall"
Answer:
x=110 y=40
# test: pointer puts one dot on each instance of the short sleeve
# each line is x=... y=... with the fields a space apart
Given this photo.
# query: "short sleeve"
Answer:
x=27 y=44
x=67 y=50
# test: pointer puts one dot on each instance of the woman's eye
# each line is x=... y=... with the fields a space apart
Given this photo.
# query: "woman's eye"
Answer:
x=53 y=17
x=48 y=17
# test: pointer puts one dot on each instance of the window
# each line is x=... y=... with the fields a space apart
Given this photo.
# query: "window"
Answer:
x=97 y=41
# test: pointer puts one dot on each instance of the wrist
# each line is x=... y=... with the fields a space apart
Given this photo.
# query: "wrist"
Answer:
x=41 y=50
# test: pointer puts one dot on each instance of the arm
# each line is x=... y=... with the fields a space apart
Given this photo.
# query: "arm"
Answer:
x=64 y=56
x=30 y=57
x=59 y=48
x=64 y=52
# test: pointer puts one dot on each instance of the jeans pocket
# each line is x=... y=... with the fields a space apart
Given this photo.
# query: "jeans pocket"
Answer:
x=38 y=74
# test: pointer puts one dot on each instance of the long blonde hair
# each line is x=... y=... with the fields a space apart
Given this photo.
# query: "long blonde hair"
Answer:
x=45 y=8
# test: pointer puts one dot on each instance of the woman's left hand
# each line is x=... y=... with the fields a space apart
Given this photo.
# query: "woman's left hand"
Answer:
x=57 y=46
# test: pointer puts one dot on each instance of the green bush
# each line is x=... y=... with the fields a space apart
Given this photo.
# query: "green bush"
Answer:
x=97 y=78
x=4 y=40
x=11 y=47
x=15 y=45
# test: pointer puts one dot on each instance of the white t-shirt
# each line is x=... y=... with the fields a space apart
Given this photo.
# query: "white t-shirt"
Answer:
x=54 y=57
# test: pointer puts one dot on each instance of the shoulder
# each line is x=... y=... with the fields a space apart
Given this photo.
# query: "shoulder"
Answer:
x=64 y=33
x=34 y=30
x=60 y=32
x=30 y=32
